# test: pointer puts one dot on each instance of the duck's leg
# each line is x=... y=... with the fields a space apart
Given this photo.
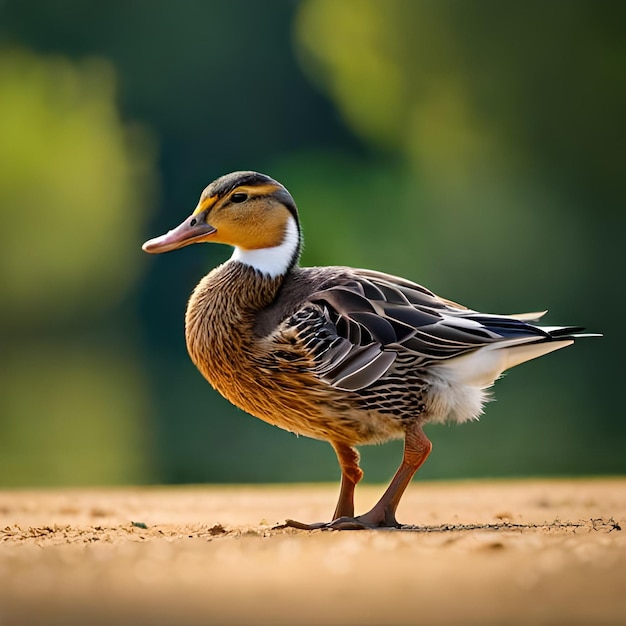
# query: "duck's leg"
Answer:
x=351 y=474
x=417 y=447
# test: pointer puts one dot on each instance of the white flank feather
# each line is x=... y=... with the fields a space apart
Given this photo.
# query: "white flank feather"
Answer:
x=458 y=385
x=272 y=261
x=451 y=400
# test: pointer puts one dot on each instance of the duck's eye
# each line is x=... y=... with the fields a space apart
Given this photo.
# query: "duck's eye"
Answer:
x=239 y=197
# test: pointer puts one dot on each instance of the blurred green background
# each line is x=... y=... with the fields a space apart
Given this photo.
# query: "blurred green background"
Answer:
x=475 y=147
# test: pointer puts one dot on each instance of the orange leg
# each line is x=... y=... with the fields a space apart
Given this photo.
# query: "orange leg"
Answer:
x=417 y=447
x=351 y=474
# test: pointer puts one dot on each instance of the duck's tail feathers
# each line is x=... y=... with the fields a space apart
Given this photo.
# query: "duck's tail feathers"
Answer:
x=516 y=355
x=482 y=367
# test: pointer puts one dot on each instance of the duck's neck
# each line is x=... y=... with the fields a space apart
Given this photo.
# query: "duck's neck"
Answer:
x=223 y=308
x=278 y=260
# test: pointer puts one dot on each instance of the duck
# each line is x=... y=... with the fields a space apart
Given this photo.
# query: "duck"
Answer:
x=344 y=355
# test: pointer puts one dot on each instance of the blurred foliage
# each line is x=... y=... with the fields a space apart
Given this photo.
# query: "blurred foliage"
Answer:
x=72 y=178
x=474 y=147
x=73 y=187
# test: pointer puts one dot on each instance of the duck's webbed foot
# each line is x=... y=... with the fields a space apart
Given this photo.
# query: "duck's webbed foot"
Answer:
x=362 y=522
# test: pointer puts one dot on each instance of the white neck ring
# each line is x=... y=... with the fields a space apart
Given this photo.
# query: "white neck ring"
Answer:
x=273 y=261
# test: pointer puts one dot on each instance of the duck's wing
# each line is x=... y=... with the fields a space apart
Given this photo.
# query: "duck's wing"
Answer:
x=356 y=330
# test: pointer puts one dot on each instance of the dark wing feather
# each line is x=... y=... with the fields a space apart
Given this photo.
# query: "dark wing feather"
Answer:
x=355 y=328
x=378 y=327
x=411 y=315
x=362 y=366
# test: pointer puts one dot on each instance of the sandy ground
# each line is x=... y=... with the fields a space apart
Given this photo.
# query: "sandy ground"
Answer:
x=514 y=552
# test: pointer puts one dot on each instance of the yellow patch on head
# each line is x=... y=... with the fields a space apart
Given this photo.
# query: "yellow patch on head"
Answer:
x=205 y=204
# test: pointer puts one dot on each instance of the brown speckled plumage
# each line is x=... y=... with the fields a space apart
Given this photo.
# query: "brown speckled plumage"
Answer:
x=242 y=333
x=340 y=354
x=257 y=373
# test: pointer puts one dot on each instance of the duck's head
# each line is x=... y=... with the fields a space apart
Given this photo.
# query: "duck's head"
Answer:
x=247 y=210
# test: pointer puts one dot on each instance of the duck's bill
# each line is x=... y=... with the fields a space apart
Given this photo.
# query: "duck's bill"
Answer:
x=190 y=231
